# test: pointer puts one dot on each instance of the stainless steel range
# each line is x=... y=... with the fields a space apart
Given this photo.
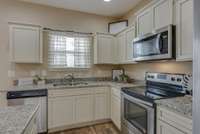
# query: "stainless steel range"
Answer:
x=138 y=103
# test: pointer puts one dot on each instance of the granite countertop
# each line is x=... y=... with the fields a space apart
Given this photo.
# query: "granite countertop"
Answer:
x=14 y=119
x=180 y=105
x=89 y=84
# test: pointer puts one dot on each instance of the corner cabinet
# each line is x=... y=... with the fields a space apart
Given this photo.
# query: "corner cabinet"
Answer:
x=184 y=10
x=121 y=44
x=25 y=43
x=104 y=49
x=130 y=35
x=125 y=46
x=169 y=122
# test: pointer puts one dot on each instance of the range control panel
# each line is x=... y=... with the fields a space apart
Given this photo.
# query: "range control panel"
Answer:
x=175 y=79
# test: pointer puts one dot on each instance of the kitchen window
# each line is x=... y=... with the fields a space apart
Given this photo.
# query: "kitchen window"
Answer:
x=69 y=50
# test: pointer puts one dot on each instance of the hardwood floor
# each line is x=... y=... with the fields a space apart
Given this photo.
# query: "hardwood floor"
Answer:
x=107 y=128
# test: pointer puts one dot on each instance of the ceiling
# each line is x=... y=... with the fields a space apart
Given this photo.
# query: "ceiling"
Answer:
x=115 y=8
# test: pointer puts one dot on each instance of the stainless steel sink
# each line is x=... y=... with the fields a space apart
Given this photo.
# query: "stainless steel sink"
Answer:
x=70 y=84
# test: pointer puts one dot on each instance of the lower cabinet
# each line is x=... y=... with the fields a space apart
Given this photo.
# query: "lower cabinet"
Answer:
x=83 y=108
x=164 y=128
x=71 y=107
x=169 y=122
x=101 y=107
x=116 y=107
x=61 y=111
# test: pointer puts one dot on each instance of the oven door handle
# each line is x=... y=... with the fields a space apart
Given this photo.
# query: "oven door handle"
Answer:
x=142 y=103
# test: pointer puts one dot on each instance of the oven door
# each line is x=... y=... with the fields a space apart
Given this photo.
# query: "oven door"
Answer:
x=138 y=117
x=154 y=47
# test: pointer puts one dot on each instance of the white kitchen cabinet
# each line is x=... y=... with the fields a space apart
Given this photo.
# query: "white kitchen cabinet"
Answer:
x=145 y=22
x=121 y=43
x=130 y=35
x=169 y=122
x=61 y=111
x=162 y=13
x=158 y=14
x=125 y=46
x=184 y=24
x=83 y=108
x=116 y=107
x=101 y=107
x=70 y=107
x=104 y=49
x=164 y=128
x=25 y=43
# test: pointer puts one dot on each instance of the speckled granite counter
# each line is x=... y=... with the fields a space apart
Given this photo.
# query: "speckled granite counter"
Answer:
x=180 y=105
x=14 y=120
x=89 y=84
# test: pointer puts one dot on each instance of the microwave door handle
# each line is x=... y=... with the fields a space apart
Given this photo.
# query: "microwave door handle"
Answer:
x=158 y=43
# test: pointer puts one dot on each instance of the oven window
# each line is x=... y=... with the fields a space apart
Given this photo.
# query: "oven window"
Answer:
x=136 y=115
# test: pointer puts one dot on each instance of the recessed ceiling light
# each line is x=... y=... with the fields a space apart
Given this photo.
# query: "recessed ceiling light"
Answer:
x=107 y=0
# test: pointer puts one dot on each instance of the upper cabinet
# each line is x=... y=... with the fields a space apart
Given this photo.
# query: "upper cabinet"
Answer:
x=104 y=45
x=162 y=14
x=158 y=15
x=114 y=49
x=184 y=10
x=125 y=46
x=25 y=43
x=121 y=44
x=145 y=22
x=130 y=35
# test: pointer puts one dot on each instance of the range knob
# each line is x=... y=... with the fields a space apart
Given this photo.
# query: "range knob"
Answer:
x=173 y=79
x=178 y=79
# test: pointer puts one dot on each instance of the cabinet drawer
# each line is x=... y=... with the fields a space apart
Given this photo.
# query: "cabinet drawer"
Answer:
x=116 y=92
x=69 y=92
x=174 y=119
x=101 y=90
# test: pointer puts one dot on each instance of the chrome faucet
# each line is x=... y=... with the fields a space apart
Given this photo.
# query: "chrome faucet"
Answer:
x=70 y=77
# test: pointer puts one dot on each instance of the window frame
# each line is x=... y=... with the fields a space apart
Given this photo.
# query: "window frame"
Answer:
x=74 y=35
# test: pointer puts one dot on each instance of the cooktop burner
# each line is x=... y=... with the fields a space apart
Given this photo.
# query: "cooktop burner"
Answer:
x=149 y=93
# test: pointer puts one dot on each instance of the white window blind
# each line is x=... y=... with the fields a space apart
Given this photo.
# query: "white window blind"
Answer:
x=69 y=50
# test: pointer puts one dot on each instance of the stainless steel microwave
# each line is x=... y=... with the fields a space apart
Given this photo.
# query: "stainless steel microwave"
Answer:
x=158 y=46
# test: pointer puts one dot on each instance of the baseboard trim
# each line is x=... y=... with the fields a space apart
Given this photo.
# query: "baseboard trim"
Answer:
x=79 y=125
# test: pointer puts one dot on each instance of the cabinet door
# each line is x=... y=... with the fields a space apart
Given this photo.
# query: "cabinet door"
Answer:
x=83 y=108
x=163 y=14
x=145 y=22
x=61 y=111
x=101 y=106
x=104 y=49
x=130 y=35
x=164 y=128
x=116 y=111
x=184 y=29
x=121 y=41
x=25 y=44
